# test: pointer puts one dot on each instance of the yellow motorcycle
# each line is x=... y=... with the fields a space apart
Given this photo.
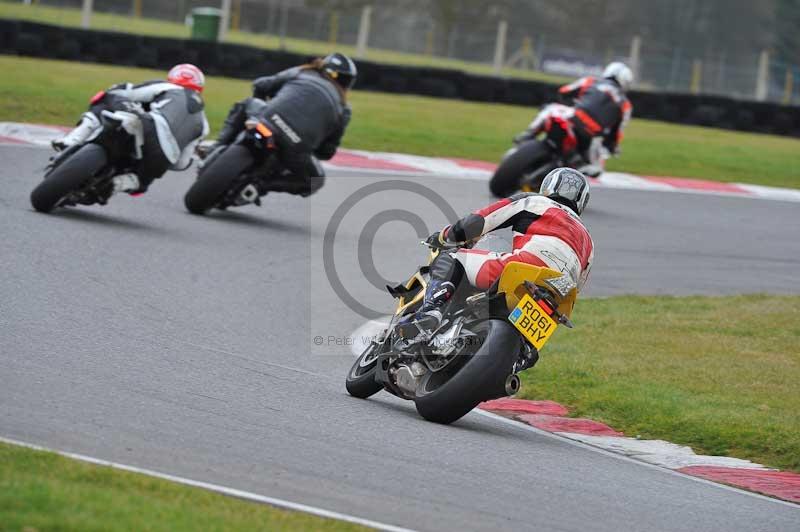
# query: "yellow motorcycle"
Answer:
x=485 y=339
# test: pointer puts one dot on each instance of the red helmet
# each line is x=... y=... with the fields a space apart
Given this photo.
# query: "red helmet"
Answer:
x=188 y=76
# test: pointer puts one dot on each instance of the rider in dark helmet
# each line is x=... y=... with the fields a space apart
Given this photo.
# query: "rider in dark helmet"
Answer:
x=306 y=109
x=341 y=68
x=547 y=232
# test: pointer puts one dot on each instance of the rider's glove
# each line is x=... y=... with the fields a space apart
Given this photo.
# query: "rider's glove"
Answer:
x=438 y=241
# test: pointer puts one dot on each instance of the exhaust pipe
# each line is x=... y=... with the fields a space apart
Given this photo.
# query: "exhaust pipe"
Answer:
x=512 y=384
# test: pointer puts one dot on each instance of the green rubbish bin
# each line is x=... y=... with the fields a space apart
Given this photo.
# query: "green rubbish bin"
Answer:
x=205 y=23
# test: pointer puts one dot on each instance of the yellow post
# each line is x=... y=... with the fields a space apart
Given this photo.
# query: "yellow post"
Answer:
x=527 y=52
x=137 y=8
x=697 y=76
x=788 y=87
x=429 y=43
x=333 y=35
x=236 y=15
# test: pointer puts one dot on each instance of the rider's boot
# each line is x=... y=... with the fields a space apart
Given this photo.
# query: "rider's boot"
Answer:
x=87 y=125
x=233 y=124
x=126 y=183
x=428 y=318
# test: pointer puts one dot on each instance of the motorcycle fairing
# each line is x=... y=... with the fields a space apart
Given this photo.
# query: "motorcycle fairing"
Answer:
x=512 y=283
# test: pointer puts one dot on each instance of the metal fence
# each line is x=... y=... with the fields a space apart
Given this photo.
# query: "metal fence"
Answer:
x=494 y=40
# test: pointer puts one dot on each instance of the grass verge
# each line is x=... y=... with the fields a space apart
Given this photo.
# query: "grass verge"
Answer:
x=45 y=491
x=56 y=92
x=717 y=373
x=160 y=28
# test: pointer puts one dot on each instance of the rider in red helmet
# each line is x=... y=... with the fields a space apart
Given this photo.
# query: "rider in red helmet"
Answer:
x=172 y=118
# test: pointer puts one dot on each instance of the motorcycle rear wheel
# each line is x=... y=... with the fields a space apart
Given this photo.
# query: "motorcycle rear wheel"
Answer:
x=444 y=398
x=217 y=178
x=508 y=176
x=69 y=176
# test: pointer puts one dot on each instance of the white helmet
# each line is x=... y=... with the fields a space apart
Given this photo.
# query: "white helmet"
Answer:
x=620 y=73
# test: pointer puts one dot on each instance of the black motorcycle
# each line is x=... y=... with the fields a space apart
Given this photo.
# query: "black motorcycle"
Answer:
x=485 y=339
x=525 y=165
x=82 y=174
x=244 y=171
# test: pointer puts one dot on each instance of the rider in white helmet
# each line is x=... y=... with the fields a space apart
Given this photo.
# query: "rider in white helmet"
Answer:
x=601 y=106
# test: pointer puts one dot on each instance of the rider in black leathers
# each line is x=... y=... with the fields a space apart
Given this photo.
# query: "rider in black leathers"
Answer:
x=601 y=108
x=306 y=109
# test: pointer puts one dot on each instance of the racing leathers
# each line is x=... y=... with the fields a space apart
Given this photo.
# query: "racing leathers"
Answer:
x=601 y=110
x=173 y=123
x=545 y=233
x=308 y=114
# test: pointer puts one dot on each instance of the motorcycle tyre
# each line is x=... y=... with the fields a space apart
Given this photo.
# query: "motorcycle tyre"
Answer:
x=70 y=175
x=478 y=380
x=217 y=178
x=508 y=176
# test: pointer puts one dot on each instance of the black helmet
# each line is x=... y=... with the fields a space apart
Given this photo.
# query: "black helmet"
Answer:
x=568 y=187
x=341 y=68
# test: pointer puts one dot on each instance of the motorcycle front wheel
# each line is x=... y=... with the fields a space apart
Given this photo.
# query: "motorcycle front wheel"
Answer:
x=528 y=156
x=68 y=177
x=217 y=178
x=448 y=395
x=360 y=380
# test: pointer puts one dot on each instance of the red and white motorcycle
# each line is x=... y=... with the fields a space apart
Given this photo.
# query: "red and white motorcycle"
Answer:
x=550 y=142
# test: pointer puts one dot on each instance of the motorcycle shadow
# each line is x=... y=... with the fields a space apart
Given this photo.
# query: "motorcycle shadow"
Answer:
x=471 y=423
x=91 y=217
x=241 y=218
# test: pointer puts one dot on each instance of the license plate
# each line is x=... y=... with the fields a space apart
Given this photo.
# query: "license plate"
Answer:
x=534 y=324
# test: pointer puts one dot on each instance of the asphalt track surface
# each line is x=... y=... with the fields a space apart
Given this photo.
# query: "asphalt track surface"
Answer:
x=140 y=334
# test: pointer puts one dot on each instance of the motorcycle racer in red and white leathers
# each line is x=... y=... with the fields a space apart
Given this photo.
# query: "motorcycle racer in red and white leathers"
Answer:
x=547 y=232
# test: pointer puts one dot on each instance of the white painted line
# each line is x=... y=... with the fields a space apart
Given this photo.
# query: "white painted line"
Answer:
x=367 y=331
x=775 y=193
x=441 y=168
x=661 y=453
x=622 y=180
x=590 y=447
x=431 y=165
x=232 y=492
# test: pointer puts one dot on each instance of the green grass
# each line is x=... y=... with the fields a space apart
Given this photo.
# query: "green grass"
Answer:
x=45 y=491
x=717 y=373
x=144 y=26
x=56 y=92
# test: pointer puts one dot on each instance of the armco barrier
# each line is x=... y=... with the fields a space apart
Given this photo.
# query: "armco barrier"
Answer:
x=42 y=40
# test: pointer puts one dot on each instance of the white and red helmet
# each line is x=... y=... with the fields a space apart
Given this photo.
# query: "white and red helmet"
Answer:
x=188 y=76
